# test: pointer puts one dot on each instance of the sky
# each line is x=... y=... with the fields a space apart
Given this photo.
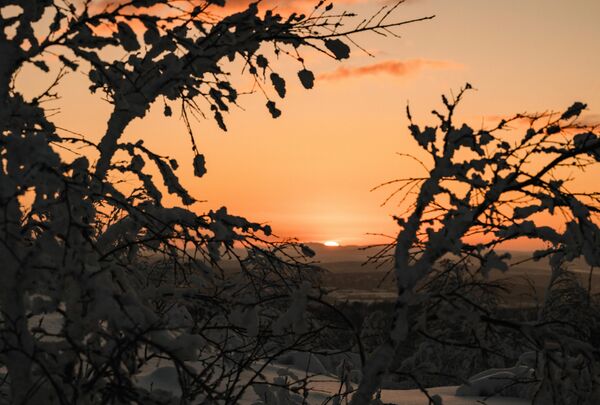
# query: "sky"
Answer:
x=309 y=172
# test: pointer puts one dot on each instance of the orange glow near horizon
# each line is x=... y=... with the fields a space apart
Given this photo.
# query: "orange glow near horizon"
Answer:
x=331 y=243
x=308 y=173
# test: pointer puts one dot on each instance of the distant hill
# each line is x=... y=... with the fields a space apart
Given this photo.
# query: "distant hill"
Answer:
x=351 y=277
x=350 y=253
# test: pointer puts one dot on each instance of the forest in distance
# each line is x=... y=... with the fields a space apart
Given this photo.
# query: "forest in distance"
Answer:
x=120 y=283
x=347 y=274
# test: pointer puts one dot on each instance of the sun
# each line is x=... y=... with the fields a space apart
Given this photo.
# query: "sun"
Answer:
x=331 y=243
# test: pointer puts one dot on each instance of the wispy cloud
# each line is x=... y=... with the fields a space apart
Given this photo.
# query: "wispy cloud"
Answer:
x=390 y=67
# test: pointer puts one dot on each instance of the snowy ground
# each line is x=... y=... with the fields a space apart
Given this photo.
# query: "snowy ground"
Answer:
x=162 y=376
x=324 y=386
x=415 y=397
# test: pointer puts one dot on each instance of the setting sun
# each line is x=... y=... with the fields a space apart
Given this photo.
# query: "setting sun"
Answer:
x=331 y=243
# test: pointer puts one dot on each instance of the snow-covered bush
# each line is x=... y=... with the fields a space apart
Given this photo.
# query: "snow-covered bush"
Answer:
x=482 y=188
x=103 y=286
x=568 y=373
x=571 y=306
x=374 y=328
x=512 y=381
x=562 y=366
x=567 y=365
x=450 y=343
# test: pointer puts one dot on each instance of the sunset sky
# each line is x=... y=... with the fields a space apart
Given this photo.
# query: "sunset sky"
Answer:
x=309 y=172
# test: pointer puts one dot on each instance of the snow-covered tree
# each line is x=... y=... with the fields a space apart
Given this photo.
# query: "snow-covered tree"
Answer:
x=481 y=189
x=103 y=285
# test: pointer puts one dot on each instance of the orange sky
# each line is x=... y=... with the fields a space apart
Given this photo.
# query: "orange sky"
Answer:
x=309 y=172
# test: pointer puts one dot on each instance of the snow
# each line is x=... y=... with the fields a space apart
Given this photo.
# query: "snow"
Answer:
x=494 y=380
x=161 y=378
x=323 y=387
x=296 y=365
x=416 y=397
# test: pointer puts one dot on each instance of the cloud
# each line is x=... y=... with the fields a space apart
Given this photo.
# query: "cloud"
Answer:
x=398 y=68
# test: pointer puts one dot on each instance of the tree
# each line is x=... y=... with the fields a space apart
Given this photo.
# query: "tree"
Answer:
x=481 y=186
x=100 y=283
